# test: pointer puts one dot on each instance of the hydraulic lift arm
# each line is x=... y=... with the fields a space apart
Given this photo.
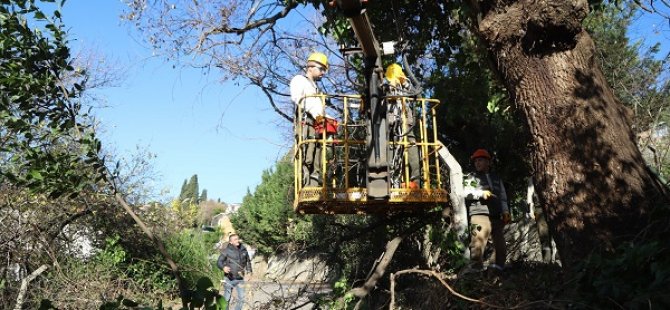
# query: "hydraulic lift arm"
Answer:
x=378 y=177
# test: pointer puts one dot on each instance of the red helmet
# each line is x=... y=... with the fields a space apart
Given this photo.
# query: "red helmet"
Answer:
x=481 y=153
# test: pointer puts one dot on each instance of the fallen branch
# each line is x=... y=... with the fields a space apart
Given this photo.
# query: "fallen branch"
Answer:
x=371 y=282
x=24 y=286
x=362 y=291
x=437 y=276
x=161 y=248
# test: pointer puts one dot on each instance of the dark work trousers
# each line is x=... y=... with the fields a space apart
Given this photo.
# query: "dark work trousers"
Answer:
x=311 y=155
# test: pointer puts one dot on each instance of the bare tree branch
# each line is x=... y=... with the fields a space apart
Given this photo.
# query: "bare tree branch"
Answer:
x=370 y=283
x=24 y=286
x=290 y=5
x=161 y=248
x=272 y=102
x=652 y=8
x=68 y=221
x=379 y=270
x=437 y=276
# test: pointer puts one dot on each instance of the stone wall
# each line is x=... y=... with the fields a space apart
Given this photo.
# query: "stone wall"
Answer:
x=297 y=268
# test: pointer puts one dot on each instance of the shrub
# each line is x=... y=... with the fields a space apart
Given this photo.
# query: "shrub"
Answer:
x=195 y=255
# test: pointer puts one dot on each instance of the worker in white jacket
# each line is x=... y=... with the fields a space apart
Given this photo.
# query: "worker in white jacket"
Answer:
x=302 y=87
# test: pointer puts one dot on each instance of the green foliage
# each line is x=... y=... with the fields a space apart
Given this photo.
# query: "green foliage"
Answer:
x=108 y=273
x=152 y=274
x=122 y=303
x=266 y=218
x=144 y=281
x=190 y=191
x=635 y=276
x=450 y=243
x=205 y=296
x=341 y=299
x=49 y=146
x=184 y=187
x=140 y=282
x=113 y=253
x=195 y=256
x=189 y=200
x=634 y=71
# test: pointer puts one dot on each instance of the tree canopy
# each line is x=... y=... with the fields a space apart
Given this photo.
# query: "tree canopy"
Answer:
x=47 y=142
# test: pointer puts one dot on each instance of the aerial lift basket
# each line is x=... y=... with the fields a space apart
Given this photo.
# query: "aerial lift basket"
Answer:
x=339 y=184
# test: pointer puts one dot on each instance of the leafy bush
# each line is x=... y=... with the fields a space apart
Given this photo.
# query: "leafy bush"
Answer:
x=266 y=218
x=107 y=275
x=194 y=255
x=634 y=276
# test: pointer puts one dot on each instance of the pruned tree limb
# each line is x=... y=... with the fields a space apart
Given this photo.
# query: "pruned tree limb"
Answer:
x=437 y=276
x=379 y=270
x=24 y=286
x=159 y=244
x=370 y=283
x=533 y=304
x=458 y=213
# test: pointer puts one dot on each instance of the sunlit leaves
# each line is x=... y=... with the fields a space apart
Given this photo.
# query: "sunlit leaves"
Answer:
x=47 y=143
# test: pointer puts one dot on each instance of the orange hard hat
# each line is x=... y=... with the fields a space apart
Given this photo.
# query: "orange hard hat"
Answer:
x=481 y=153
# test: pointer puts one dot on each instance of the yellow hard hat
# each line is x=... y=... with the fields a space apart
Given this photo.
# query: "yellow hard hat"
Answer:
x=395 y=75
x=319 y=58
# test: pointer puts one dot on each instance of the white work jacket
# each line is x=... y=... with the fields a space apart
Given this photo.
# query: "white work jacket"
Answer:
x=302 y=86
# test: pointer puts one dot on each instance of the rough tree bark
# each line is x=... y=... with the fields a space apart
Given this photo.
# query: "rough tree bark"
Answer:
x=588 y=169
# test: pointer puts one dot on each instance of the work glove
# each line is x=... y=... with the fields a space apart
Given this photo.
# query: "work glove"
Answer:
x=486 y=194
x=506 y=218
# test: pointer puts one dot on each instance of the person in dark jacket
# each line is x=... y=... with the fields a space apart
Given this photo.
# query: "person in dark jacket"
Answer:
x=236 y=264
x=486 y=200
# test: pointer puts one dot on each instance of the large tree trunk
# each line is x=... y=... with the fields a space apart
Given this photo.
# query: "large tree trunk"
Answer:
x=588 y=169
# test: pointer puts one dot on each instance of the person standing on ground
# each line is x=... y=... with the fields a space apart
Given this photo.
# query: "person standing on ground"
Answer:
x=236 y=265
x=486 y=201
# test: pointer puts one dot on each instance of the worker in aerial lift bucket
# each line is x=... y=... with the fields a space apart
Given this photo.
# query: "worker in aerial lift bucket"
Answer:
x=399 y=86
x=314 y=113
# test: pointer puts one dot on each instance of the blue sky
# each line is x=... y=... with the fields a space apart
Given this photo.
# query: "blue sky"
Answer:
x=652 y=29
x=225 y=133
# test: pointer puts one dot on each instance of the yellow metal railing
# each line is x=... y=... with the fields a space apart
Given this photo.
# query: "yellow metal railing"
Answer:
x=325 y=140
x=348 y=140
